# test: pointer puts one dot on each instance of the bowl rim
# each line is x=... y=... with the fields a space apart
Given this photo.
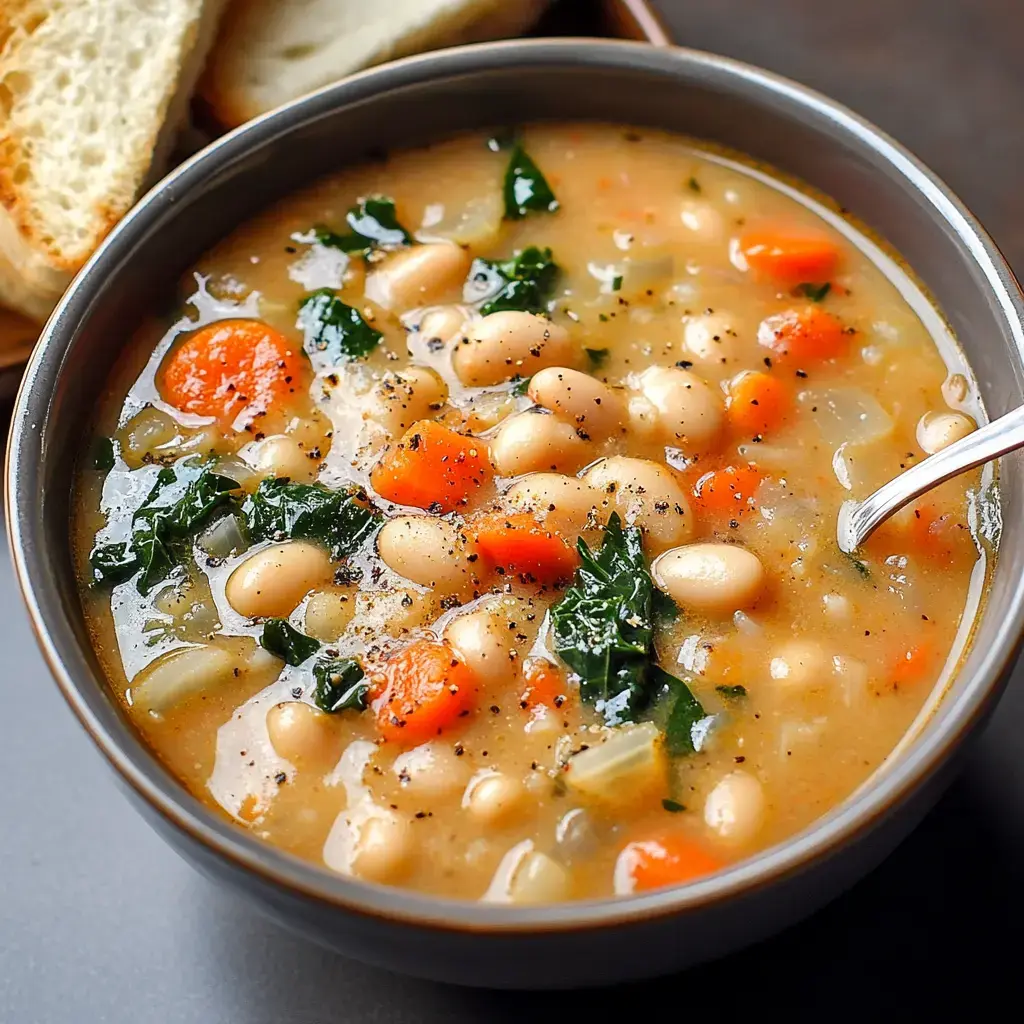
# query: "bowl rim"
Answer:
x=139 y=767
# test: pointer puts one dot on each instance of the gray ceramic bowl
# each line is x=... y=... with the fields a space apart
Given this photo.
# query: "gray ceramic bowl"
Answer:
x=419 y=100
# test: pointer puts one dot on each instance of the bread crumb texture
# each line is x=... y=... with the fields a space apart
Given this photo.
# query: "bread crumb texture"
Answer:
x=85 y=88
x=269 y=52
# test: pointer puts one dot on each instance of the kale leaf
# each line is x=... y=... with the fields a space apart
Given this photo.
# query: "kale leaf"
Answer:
x=604 y=631
x=284 y=641
x=526 y=190
x=815 y=292
x=334 y=333
x=373 y=225
x=686 y=711
x=597 y=356
x=336 y=519
x=183 y=499
x=104 y=454
x=731 y=692
x=524 y=282
x=340 y=685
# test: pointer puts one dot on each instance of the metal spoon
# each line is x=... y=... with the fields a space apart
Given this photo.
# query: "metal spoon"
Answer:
x=859 y=519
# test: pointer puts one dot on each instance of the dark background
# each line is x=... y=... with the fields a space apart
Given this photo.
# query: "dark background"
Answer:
x=99 y=921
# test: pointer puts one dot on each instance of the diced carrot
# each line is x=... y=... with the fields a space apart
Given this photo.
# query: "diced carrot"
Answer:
x=666 y=860
x=517 y=545
x=233 y=367
x=789 y=256
x=912 y=665
x=421 y=691
x=804 y=334
x=545 y=684
x=940 y=536
x=432 y=467
x=758 y=403
x=726 y=491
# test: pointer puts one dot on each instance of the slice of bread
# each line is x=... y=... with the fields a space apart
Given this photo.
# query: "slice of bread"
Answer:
x=91 y=95
x=271 y=51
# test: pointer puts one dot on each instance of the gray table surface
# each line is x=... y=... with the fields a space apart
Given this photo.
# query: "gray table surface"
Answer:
x=99 y=921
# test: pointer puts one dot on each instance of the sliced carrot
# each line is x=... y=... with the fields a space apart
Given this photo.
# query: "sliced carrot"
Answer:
x=790 y=256
x=804 y=334
x=432 y=467
x=758 y=403
x=666 y=860
x=233 y=367
x=545 y=684
x=727 y=491
x=421 y=691
x=517 y=545
x=912 y=665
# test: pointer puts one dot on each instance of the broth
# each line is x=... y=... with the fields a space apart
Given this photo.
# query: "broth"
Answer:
x=718 y=360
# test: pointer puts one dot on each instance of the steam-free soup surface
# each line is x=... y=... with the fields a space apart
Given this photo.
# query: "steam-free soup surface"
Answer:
x=472 y=526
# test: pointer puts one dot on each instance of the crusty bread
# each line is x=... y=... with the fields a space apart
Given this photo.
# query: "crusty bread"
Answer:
x=271 y=51
x=91 y=95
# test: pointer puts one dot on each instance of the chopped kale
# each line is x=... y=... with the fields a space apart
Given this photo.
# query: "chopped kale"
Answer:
x=526 y=191
x=373 y=224
x=597 y=356
x=524 y=282
x=732 y=692
x=183 y=500
x=284 y=641
x=858 y=563
x=686 y=711
x=336 y=519
x=520 y=386
x=340 y=685
x=693 y=185
x=334 y=333
x=617 y=283
x=604 y=631
x=815 y=292
x=104 y=454
x=672 y=806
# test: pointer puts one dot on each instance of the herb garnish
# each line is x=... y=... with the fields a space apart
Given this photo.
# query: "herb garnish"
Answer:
x=284 y=641
x=604 y=630
x=104 y=454
x=373 y=225
x=693 y=184
x=732 y=692
x=183 y=499
x=859 y=564
x=617 y=283
x=524 y=282
x=340 y=685
x=334 y=332
x=815 y=292
x=526 y=190
x=337 y=519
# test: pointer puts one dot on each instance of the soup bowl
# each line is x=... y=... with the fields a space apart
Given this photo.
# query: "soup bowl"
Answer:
x=415 y=101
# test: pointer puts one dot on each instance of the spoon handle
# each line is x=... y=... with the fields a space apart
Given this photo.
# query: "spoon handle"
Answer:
x=859 y=519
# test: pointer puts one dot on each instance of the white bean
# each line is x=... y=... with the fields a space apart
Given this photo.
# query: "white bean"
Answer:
x=567 y=502
x=587 y=403
x=384 y=848
x=425 y=550
x=273 y=581
x=712 y=338
x=430 y=771
x=417 y=276
x=536 y=442
x=303 y=735
x=509 y=344
x=493 y=637
x=716 y=578
x=391 y=612
x=442 y=324
x=800 y=666
x=328 y=613
x=283 y=456
x=495 y=799
x=646 y=494
x=690 y=414
x=938 y=430
x=734 y=809
x=399 y=399
x=700 y=217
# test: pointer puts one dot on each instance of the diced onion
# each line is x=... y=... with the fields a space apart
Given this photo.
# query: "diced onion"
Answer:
x=223 y=538
x=847 y=415
x=629 y=763
x=476 y=224
x=177 y=675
